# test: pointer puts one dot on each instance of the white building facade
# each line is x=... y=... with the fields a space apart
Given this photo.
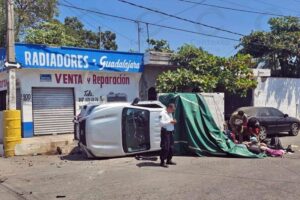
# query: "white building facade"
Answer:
x=53 y=84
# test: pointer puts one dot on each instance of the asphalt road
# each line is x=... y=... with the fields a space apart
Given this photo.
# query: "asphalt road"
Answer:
x=74 y=177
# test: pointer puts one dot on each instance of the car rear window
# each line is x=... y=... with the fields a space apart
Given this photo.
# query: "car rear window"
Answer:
x=250 y=111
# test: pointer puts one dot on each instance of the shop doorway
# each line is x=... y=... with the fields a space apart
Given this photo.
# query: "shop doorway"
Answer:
x=53 y=110
x=152 y=94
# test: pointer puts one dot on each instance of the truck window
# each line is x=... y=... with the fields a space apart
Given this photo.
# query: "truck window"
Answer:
x=135 y=130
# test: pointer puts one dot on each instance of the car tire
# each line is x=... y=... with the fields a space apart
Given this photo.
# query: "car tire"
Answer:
x=262 y=133
x=294 y=129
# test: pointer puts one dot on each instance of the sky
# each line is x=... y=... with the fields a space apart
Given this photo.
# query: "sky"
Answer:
x=127 y=32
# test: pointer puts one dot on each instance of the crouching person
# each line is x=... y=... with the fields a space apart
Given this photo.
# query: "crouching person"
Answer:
x=167 y=123
x=237 y=123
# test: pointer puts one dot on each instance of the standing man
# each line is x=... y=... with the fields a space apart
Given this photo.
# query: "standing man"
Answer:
x=237 y=123
x=167 y=140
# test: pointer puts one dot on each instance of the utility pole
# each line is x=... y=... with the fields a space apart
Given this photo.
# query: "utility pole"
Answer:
x=10 y=55
x=139 y=36
x=100 y=37
x=148 y=37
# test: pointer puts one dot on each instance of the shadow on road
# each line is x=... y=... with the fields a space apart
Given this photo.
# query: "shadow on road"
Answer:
x=148 y=164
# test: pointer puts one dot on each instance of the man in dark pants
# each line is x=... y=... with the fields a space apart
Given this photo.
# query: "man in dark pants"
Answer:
x=167 y=130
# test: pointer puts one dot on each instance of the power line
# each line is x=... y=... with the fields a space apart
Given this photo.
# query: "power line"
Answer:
x=161 y=20
x=144 y=22
x=183 y=30
x=163 y=26
x=233 y=9
x=274 y=5
x=180 y=18
x=94 y=27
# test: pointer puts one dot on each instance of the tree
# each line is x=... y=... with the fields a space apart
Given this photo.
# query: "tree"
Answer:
x=71 y=33
x=199 y=70
x=278 y=48
x=51 y=33
x=108 y=39
x=28 y=13
x=236 y=75
x=159 y=46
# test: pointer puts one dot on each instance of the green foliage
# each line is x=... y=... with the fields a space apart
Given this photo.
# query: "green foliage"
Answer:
x=28 y=14
x=50 y=33
x=236 y=75
x=200 y=71
x=279 y=48
x=184 y=80
x=71 y=33
x=108 y=39
x=159 y=46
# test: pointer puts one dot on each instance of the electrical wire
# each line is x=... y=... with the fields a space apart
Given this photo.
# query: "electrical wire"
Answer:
x=163 y=26
x=149 y=23
x=94 y=27
x=181 y=18
x=233 y=9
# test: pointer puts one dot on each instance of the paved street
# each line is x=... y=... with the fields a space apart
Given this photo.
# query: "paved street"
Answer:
x=73 y=177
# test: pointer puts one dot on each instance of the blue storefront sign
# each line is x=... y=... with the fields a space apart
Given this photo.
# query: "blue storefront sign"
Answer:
x=65 y=58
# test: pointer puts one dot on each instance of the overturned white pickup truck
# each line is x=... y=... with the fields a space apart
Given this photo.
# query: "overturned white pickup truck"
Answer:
x=119 y=129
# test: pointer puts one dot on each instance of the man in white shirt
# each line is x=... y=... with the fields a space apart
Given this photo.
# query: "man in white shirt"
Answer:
x=167 y=130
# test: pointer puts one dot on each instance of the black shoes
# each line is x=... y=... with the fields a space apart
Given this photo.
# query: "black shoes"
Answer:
x=289 y=149
x=171 y=163
x=163 y=164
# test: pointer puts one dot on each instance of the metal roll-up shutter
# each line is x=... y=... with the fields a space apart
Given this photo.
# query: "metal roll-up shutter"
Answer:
x=53 y=110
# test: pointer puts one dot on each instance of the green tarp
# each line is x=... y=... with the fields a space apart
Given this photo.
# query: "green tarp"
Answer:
x=196 y=131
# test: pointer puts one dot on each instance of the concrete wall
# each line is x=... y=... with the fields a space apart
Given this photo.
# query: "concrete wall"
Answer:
x=281 y=93
x=215 y=102
x=149 y=77
x=1 y=127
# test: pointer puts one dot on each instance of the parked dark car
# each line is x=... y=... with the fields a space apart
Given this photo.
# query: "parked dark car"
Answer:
x=272 y=121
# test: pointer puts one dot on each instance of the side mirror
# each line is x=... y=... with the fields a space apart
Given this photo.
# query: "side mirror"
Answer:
x=285 y=115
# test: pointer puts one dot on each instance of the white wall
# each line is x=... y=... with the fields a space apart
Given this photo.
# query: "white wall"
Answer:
x=149 y=78
x=281 y=93
x=1 y=127
x=215 y=102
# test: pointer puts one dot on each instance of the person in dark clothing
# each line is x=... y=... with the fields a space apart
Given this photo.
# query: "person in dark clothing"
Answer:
x=253 y=128
x=167 y=123
x=237 y=123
